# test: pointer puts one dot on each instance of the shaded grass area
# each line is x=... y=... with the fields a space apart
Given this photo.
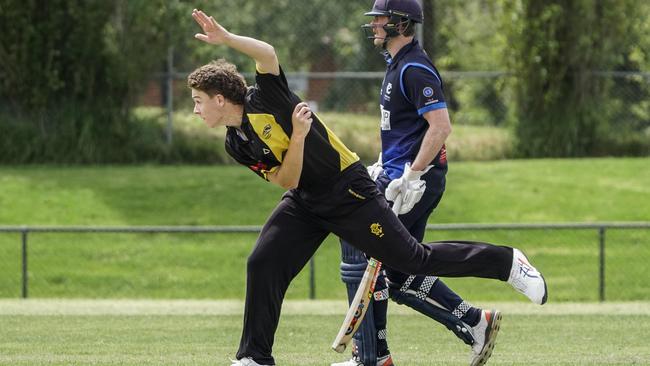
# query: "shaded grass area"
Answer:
x=213 y=265
x=476 y=143
x=360 y=132
x=526 y=338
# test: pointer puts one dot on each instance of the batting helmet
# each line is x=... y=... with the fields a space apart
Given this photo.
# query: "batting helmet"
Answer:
x=408 y=9
x=402 y=15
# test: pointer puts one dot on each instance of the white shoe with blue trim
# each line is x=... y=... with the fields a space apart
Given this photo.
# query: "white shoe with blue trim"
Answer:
x=527 y=279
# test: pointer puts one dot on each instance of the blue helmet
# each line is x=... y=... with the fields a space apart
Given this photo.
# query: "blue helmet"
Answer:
x=401 y=14
x=404 y=9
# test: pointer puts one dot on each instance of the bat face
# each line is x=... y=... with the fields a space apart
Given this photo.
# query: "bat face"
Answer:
x=358 y=315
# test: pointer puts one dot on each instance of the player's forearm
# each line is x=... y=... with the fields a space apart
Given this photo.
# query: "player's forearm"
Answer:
x=260 y=51
x=288 y=175
x=435 y=137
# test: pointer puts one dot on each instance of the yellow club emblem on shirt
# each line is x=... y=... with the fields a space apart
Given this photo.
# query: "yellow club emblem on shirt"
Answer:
x=376 y=229
x=266 y=132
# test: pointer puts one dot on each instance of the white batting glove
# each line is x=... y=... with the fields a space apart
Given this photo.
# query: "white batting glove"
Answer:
x=375 y=169
x=409 y=186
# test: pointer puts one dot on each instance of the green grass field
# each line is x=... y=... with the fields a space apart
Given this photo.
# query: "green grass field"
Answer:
x=211 y=266
x=64 y=332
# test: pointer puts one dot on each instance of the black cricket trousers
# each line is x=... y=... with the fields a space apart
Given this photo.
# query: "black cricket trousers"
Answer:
x=352 y=208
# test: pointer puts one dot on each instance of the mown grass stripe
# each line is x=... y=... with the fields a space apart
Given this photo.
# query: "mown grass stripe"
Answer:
x=291 y=307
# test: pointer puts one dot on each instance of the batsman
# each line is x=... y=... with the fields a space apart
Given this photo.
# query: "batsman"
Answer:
x=276 y=135
x=414 y=126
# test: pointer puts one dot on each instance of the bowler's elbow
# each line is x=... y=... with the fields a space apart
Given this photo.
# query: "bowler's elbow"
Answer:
x=290 y=186
x=286 y=183
x=290 y=183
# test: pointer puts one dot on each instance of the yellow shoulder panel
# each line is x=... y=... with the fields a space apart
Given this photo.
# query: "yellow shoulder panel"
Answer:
x=270 y=131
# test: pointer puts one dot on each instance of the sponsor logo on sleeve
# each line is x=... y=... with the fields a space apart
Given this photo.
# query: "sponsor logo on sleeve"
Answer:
x=427 y=92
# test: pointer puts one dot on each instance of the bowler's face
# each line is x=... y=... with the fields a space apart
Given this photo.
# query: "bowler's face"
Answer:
x=208 y=108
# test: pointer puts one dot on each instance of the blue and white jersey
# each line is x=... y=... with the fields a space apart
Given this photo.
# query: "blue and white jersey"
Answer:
x=412 y=86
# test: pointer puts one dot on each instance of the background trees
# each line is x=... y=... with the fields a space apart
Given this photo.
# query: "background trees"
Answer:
x=569 y=103
x=71 y=72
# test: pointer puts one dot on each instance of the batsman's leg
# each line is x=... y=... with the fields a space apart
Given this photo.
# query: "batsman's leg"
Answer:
x=431 y=297
x=353 y=264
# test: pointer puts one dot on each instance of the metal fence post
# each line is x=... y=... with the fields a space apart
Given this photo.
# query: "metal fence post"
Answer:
x=169 y=86
x=312 y=279
x=601 y=271
x=24 y=258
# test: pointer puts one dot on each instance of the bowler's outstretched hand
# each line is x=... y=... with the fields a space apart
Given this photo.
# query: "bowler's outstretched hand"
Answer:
x=214 y=32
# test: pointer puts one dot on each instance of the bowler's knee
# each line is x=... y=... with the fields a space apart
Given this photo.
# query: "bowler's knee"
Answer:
x=258 y=263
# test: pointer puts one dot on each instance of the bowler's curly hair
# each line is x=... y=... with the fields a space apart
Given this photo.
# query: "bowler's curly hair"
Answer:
x=219 y=77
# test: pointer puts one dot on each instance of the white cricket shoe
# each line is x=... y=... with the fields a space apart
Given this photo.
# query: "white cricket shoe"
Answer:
x=527 y=279
x=356 y=361
x=485 y=335
x=246 y=361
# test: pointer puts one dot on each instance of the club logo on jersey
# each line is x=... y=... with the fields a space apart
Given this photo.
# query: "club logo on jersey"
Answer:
x=376 y=229
x=266 y=132
x=428 y=92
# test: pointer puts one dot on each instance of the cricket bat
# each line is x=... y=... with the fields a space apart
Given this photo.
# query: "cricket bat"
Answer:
x=361 y=300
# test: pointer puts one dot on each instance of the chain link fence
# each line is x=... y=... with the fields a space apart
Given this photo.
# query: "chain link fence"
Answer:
x=330 y=62
x=481 y=105
x=581 y=262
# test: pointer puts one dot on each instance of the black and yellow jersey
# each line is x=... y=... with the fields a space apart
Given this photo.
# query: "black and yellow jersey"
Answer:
x=263 y=138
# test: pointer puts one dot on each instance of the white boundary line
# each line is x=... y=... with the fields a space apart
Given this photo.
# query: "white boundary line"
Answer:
x=291 y=307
